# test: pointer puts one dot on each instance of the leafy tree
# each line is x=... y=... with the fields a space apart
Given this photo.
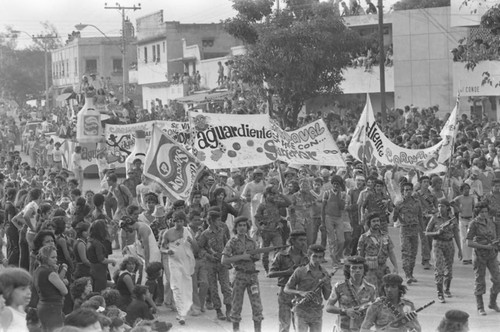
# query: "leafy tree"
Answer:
x=299 y=52
x=416 y=4
x=22 y=72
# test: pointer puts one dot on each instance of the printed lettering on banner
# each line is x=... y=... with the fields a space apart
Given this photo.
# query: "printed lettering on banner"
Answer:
x=170 y=165
x=370 y=143
x=230 y=140
x=120 y=139
x=312 y=144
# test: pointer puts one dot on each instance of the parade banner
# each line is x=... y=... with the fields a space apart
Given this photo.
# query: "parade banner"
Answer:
x=120 y=139
x=170 y=165
x=370 y=144
x=312 y=144
x=448 y=134
x=230 y=140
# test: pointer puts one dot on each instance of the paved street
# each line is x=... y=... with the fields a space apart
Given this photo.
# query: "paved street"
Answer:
x=420 y=293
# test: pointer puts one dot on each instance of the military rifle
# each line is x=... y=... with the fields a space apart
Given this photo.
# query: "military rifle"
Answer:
x=266 y=249
x=446 y=224
x=401 y=321
x=318 y=287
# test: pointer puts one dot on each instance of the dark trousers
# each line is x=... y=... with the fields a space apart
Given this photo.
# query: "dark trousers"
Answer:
x=12 y=245
x=24 y=250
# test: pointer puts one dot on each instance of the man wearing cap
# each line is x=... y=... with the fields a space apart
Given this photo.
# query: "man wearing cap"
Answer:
x=352 y=197
x=212 y=242
x=376 y=246
x=390 y=307
x=429 y=207
x=246 y=274
x=353 y=295
x=268 y=220
x=493 y=200
x=308 y=308
x=376 y=201
x=482 y=236
x=370 y=185
x=409 y=213
x=443 y=228
x=454 y=321
x=331 y=217
x=222 y=183
x=284 y=264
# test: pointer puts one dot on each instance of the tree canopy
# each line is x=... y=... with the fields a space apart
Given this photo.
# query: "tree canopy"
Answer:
x=416 y=4
x=299 y=52
x=22 y=71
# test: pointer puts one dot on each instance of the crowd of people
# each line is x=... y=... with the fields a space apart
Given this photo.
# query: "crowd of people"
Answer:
x=296 y=221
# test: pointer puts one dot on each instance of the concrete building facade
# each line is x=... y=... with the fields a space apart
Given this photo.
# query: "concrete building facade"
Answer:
x=160 y=49
x=84 y=56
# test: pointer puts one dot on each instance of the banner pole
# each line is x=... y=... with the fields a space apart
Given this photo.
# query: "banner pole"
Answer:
x=452 y=146
x=365 y=166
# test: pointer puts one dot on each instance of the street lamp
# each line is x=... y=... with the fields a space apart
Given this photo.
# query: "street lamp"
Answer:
x=46 y=61
x=82 y=26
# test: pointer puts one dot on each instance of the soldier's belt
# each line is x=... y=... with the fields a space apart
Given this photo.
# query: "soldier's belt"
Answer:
x=409 y=226
x=239 y=269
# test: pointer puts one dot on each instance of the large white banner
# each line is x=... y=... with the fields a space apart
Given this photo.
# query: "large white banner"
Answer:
x=448 y=134
x=120 y=139
x=312 y=144
x=369 y=143
x=232 y=140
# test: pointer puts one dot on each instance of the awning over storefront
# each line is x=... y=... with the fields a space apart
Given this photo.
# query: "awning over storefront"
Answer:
x=64 y=96
x=183 y=59
x=205 y=97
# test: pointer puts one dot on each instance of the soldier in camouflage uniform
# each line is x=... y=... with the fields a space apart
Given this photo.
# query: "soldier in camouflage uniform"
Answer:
x=391 y=306
x=443 y=228
x=268 y=220
x=245 y=278
x=429 y=208
x=284 y=263
x=311 y=283
x=376 y=201
x=375 y=247
x=409 y=213
x=211 y=242
x=493 y=200
x=481 y=236
x=353 y=295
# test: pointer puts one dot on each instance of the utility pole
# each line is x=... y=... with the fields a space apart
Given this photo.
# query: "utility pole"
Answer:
x=45 y=39
x=124 y=45
x=382 y=61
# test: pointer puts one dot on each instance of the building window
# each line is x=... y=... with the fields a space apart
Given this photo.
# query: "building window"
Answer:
x=91 y=66
x=154 y=53
x=76 y=67
x=163 y=47
x=145 y=55
x=117 y=66
x=158 y=53
x=67 y=68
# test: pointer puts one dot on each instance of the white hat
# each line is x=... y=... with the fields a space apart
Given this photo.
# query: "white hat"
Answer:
x=223 y=174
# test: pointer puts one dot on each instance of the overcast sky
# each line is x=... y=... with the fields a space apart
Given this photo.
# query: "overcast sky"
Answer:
x=26 y=15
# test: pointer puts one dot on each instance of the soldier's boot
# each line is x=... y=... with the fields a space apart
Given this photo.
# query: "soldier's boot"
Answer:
x=480 y=305
x=440 y=293
x=493 y=302
x=220 y=315
x=447 y=292
x=257 y=325
x=228 y=312
x=236 y=326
